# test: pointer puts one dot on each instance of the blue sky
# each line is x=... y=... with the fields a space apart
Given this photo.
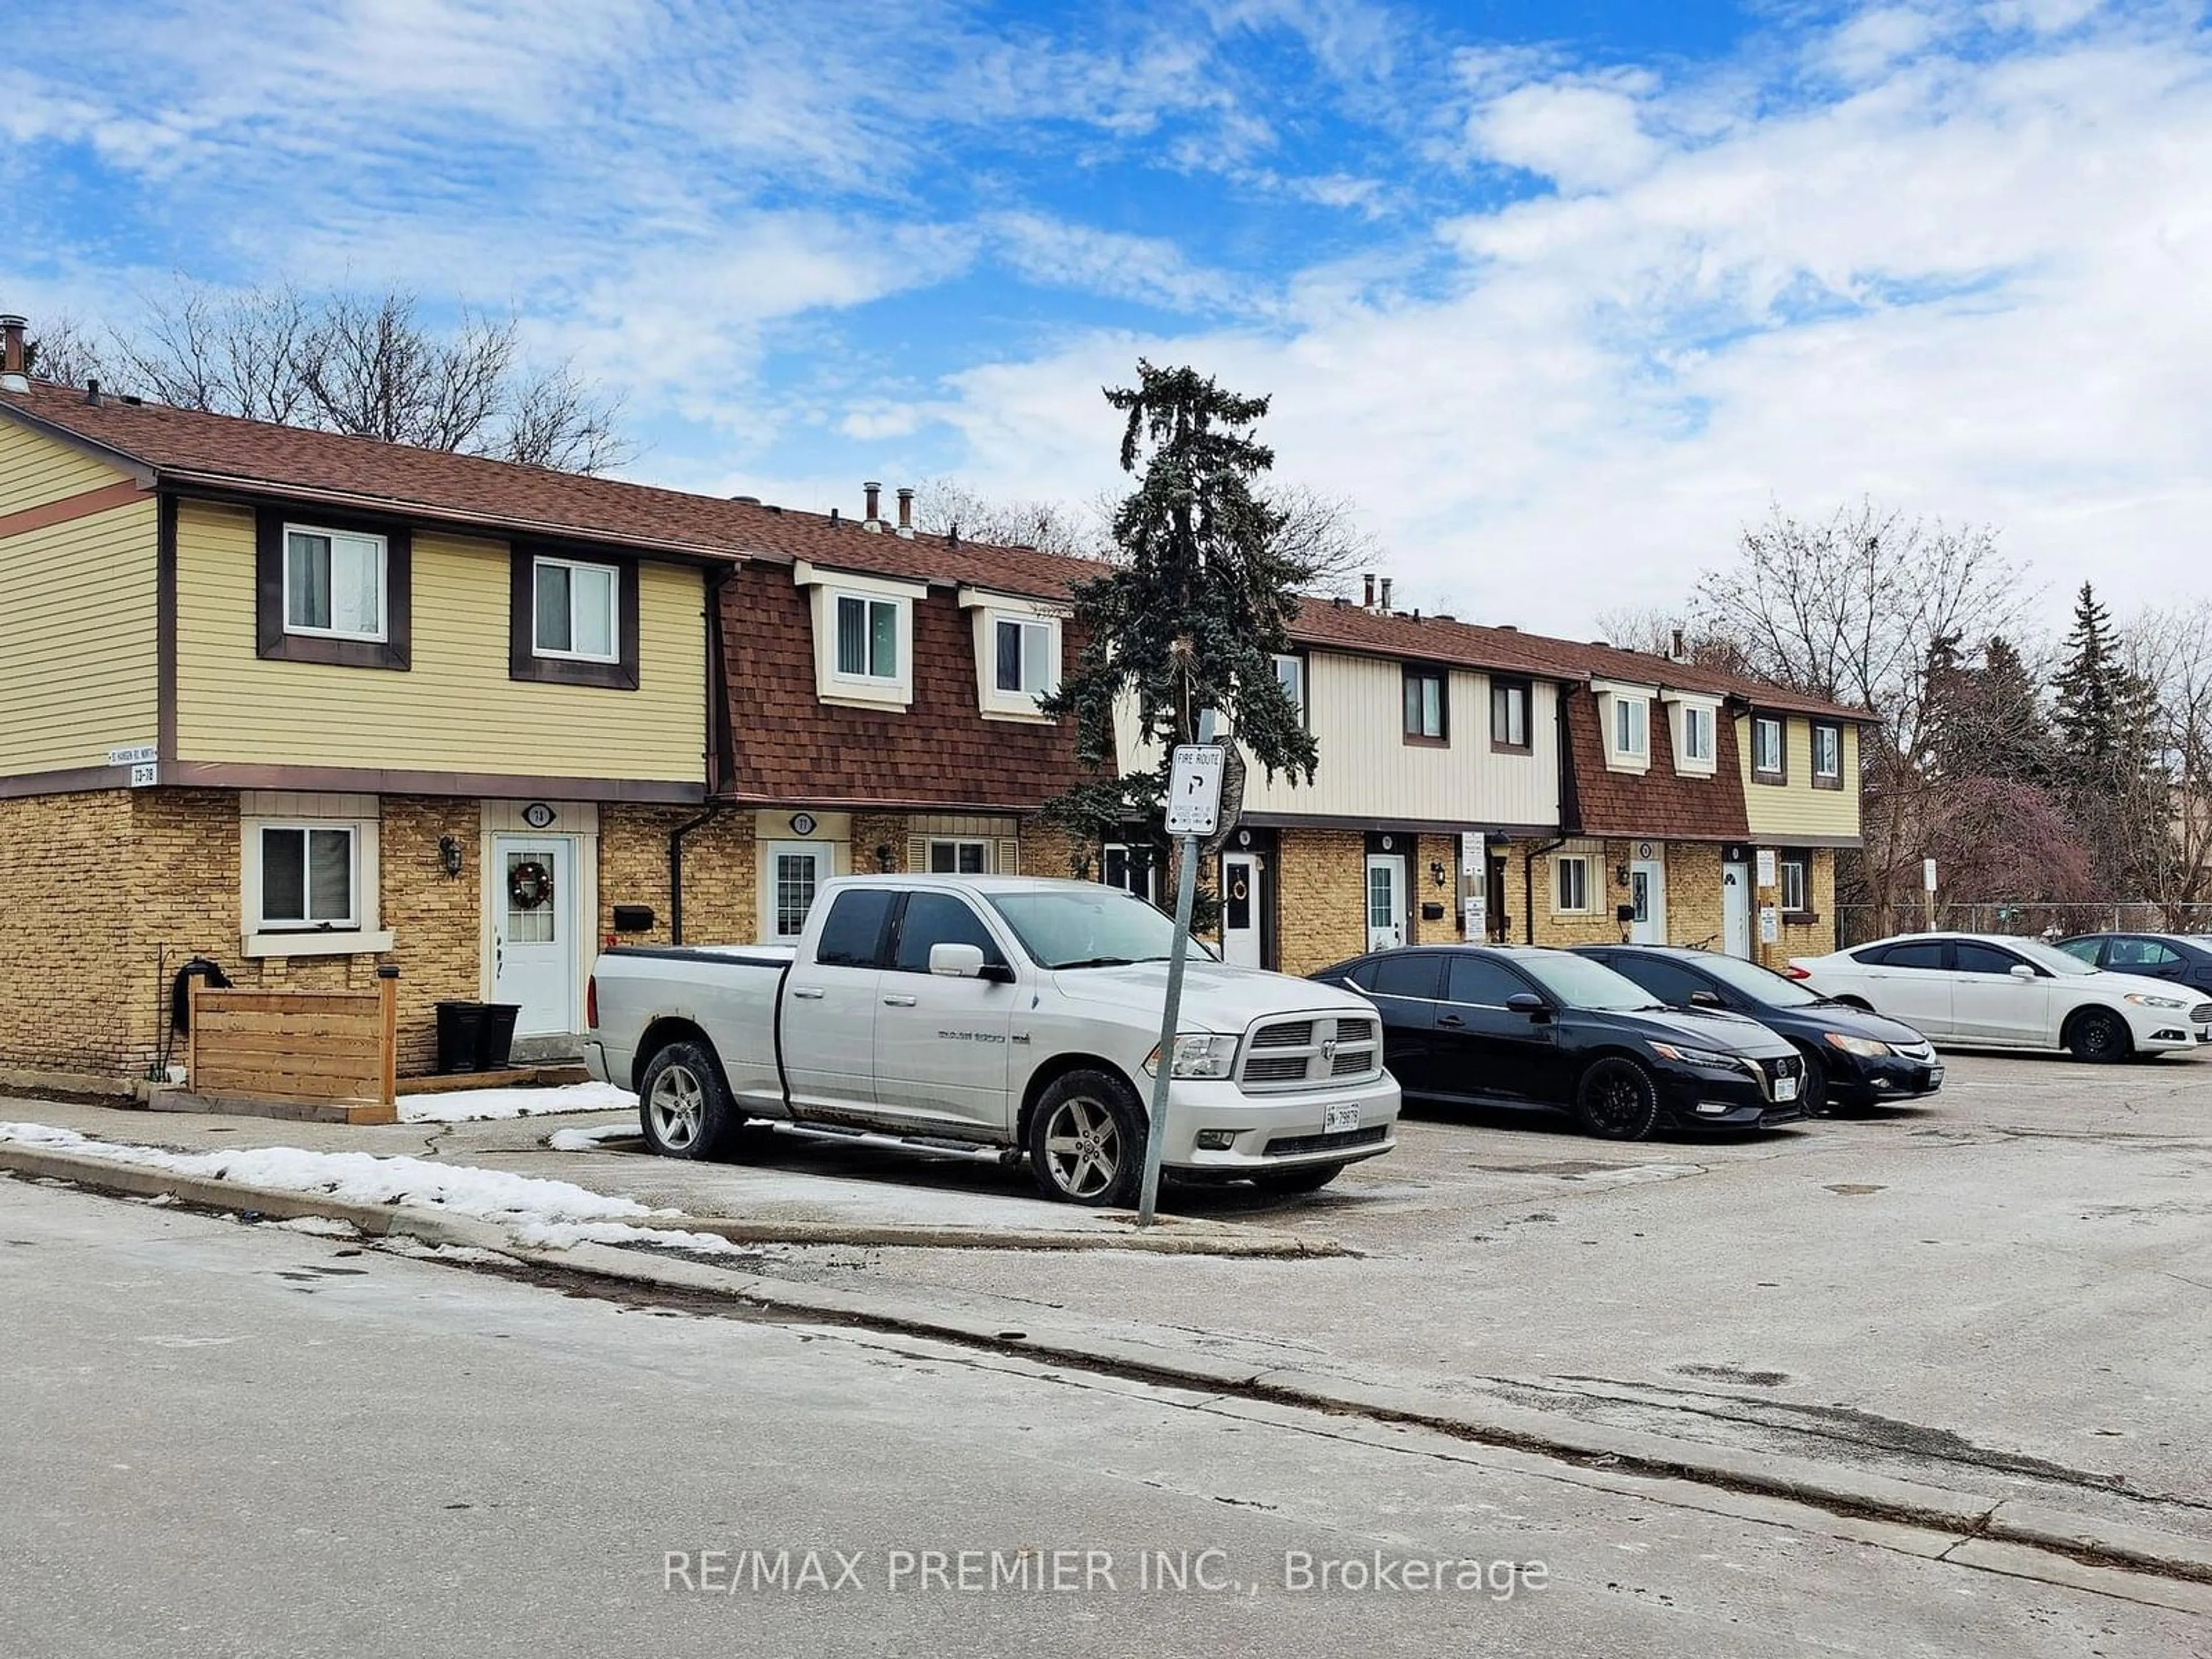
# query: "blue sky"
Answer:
x=1556 y=295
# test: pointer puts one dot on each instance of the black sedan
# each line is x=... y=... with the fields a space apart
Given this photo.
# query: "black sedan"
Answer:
x=1520 y=1026
x=1853 y=1058
x=2184 y=958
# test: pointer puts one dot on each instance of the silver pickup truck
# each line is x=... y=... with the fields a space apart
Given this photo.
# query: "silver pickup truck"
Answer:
x=999 y=1011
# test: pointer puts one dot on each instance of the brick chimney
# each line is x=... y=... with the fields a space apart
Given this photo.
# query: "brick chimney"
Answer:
x=13 y=375
x=906 y=514
x=1368 y=602
x=872 y=493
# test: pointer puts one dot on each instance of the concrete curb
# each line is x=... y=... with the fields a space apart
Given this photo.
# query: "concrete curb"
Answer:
x=1984 y=1515
x=1171 y=1238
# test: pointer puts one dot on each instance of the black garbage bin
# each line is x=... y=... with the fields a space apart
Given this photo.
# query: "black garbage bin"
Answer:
x=495 y=1035
x=460 y=1035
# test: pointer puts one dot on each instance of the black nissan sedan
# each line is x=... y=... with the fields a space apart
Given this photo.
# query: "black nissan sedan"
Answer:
x=1853 y=1058
x=1524 y=1026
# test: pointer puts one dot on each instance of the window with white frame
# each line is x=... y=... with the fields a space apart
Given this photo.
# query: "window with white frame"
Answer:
x=1025 y=656
x=574 y=608
x=868 y=638
x=1572 y=877
x=1796 y=882
x=959 y=858
x=1290 y=675
x=1632 y=727
x=1132 y=868
x=1766 y=747
x=1827 y=754
x=334 y=582
x=309 y=878
x=1697 y=733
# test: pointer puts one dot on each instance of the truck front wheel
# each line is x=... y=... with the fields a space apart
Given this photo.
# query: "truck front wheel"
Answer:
x=1087 y=1140
x=682 y=1105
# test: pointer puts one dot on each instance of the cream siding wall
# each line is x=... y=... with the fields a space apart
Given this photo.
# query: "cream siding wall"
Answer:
x=1796 y=808
x=1369 y=775
x=77 y=636
x=455 y=709
x=36 y=469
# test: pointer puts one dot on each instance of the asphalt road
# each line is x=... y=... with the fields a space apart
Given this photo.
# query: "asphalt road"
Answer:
x=228 y=1440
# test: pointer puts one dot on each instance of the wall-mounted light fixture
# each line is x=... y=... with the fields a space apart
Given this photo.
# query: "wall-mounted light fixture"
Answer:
x=449 y=856
x=884 y=859
x=1620 y=875
x=1436 y=871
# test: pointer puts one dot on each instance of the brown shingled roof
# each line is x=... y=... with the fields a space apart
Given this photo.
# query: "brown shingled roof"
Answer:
x=189 y=448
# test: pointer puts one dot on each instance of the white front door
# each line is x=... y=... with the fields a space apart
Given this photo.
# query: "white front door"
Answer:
x=1385 y=901
x=1647 y=895
x=534 y=941
x=796 y=871
x=1241 y=876
x=1735 y=909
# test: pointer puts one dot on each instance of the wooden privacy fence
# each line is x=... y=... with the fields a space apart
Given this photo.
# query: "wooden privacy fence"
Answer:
x=308 y=1049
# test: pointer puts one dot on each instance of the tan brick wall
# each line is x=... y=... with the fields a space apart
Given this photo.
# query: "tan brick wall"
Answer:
x=436 y=920
x=1422 y=889
x=1693 y=894
x=1321 y=881
x=1816 y=936
x=721 y=904
x=1553 y=927
x=874 y=829
x=1047 y=851
x=67 y=970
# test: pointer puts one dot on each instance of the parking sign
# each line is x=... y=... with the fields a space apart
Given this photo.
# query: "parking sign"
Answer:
x=1195 y=789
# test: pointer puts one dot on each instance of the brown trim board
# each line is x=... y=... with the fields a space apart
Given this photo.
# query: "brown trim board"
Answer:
x=385 y=780
x=81 y=506
x=165 y=631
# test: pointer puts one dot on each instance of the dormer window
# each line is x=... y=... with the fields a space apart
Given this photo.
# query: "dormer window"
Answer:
x=863 y=636
x=1695 y=723
x=1631 y=726
x=1624 y=714
x=1018 y=654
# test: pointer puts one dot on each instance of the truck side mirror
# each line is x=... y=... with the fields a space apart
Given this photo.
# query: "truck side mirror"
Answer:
x=957 y=961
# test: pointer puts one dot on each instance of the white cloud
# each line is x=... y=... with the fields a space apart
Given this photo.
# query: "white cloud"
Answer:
x=1582 y=134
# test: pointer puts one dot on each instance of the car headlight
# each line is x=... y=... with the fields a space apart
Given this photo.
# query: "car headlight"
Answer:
x=1851 y=1045
x=2144 y=1000
x=1197 y=1053
x=1708 y=1058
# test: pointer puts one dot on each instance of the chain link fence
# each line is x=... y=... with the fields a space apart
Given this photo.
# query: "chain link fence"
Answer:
x=1857 y=923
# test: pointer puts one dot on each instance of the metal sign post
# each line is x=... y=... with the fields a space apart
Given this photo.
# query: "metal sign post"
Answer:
x=1193 y=810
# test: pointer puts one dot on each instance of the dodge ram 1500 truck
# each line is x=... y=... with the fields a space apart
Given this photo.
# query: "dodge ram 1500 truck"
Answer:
x=1001 y=1011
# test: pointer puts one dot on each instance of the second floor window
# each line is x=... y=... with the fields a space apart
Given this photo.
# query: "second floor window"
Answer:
x=1028 y=657
x=1508 y=714
x=333 y=583
x=573 y=610
x=1426 y=711
x=1630 y=718
x=1290 y=675
x=1697 y=733
x=1828 y=756
x=868 y=638
x=1766 y=748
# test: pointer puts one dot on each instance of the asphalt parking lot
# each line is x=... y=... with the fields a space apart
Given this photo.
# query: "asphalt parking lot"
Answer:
x=2008 y=1281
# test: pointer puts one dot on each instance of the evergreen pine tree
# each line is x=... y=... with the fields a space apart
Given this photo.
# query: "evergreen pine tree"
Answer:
x=2110 y=768
x=1189 y=616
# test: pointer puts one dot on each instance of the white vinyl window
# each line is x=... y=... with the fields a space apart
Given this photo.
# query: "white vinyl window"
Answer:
x=1796 y=874
x=1130 y=869
x=1828 y=752
x=1631 y=726
x=1290 y=675
x=960 y=858
x=309 y=878
x=1697 y=733
x=575 y=606
x=333 y=583
x=1766 y=745
x=1572 y=877
x=1026 y=656
x=868 y=638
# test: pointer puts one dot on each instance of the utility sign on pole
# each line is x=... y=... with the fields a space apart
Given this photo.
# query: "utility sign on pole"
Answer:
x=1193 y=810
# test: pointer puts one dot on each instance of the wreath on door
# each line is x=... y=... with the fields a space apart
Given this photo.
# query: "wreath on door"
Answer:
x=529 y=884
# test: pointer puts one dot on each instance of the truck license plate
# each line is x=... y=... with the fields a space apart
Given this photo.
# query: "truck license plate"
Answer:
x=1338 y=1119
x=1785 y=1088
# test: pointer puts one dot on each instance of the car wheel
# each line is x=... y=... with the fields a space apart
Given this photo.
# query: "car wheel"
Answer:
x=1087 y=1141
x=2099 y=1034
x=1307 y=1178
x=1617 y=1100
x=682 y=1105
x=1812 y=1092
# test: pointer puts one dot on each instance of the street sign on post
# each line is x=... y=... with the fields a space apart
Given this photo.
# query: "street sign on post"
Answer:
x=1193 y=810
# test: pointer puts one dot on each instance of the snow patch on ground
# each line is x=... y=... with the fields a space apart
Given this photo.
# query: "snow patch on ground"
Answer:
x=562 y=1234
x=359 y=1178
x=591 y=1139
x=484 y=1105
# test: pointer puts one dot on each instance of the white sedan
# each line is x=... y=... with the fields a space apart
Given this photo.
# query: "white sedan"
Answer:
x=1990 y=991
